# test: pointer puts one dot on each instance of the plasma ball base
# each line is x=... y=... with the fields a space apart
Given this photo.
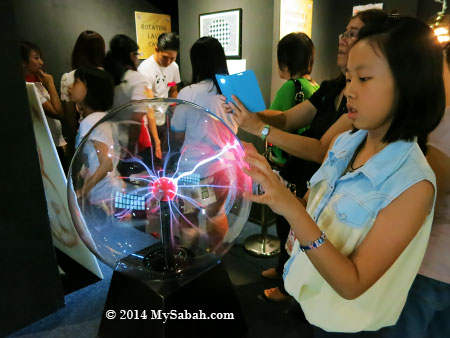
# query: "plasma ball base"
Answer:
x=211 y=292
x=181 y=259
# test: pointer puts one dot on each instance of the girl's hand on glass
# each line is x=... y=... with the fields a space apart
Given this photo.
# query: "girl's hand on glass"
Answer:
x=275 y=195
x=246 y=120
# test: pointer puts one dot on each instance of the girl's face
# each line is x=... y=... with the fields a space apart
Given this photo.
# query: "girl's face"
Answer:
x=35 y=63
x=346 y=41
x=370 y=88
x=78 y=91
x=134 y=56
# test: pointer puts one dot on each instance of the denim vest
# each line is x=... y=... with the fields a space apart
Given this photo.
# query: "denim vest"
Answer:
x=345 y=207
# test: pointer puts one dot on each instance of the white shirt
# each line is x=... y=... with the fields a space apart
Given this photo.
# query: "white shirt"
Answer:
x=103 y=190
x=203 y=137
x=67 y=81
x=205 y=94
x=53 y=124
x=159 y=76
x=134 y=86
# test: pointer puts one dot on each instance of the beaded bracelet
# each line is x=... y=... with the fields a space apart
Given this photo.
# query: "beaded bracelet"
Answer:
x=315 y=244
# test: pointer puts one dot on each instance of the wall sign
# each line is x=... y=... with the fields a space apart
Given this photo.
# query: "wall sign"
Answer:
x=148 y=27
x=295 y=16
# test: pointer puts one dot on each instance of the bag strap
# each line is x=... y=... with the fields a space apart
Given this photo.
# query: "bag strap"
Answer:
x=299 y=95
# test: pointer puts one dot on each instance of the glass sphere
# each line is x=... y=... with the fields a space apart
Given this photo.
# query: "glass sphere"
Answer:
x=159 y=212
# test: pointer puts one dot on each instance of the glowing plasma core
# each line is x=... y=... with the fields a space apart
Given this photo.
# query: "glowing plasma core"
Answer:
x=164 y=189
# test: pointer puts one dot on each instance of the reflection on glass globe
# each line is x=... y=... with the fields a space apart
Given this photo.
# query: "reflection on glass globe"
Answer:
x=159 y=213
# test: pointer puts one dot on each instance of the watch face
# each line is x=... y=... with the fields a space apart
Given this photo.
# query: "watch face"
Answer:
x=265 y=131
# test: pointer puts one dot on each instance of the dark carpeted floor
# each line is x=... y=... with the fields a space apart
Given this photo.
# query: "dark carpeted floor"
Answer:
x=81 y=315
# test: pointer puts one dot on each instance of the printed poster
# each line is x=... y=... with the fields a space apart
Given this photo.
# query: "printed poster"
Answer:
x=148 y=27
x=64 y=234
x=295 y=16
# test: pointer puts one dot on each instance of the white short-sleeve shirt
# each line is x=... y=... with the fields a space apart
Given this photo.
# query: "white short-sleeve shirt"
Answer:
x=53 y=124
x=67 y=81
x=160 y=77
x=205 y=94
x=134 y=86
x=103 y=133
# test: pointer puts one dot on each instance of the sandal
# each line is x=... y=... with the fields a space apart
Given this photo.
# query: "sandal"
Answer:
x=270 y=273
x=275 y=295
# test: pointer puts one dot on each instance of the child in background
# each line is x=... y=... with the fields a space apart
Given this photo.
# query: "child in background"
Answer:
x=295 y=54
x=93 y=92
x=88 y=51
x=33 y=67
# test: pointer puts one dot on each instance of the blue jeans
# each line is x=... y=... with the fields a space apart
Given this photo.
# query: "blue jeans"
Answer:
x=427 y=311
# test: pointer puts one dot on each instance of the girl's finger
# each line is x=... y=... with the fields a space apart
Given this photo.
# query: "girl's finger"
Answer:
x=234 y=107
x=256 y=176
x=259 y=162
x=249 y=147
x=255 y=198
x=238 y=102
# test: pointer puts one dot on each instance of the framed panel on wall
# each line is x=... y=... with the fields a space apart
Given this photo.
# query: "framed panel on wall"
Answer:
x=225 y=26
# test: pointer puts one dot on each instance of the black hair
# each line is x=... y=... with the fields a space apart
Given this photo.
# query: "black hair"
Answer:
x=372 y=16
x=411 y=50
x=25 y=50
x=100 y=88
x=118 y=59
x=168 y=41
x=295 y=53
x=89 y=50
x=207 y=59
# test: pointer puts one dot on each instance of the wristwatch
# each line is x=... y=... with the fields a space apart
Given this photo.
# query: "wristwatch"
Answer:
x=265 y=132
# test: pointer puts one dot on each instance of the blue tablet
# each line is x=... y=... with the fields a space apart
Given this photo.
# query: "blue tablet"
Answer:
x=245 y=86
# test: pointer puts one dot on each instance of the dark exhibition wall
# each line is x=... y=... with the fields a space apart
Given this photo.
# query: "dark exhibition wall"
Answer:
x=30 y=287
x=257 y=26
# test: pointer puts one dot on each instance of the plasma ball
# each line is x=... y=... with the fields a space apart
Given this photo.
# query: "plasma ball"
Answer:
x=164 y=189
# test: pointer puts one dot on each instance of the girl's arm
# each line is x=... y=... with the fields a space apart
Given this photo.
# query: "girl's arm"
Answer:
x=303 y=147
x=394 y=228
x=154 y=132
x=299 y=116
x=440 y=163
x=152 y=124
x=173 y=92
x=105 y=166
x=295 y=118
x=53 y=107
x=308 y=148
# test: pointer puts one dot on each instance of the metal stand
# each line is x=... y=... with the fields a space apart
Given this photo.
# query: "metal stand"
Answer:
x=263 y=244
x=166 y=237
